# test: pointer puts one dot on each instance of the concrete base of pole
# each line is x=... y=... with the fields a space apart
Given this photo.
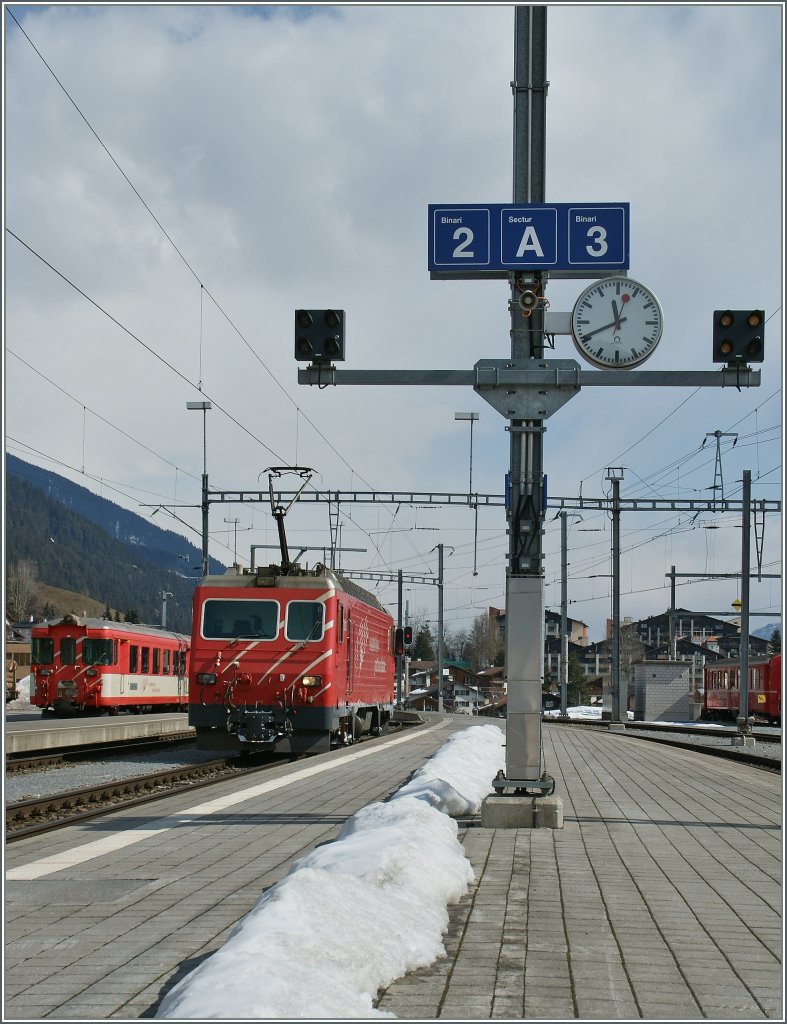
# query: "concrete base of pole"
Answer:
x=522 y=812
x=617 y=727
x=743 y=741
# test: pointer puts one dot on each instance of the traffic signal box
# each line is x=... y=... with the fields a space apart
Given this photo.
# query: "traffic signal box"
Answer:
x=319 y=335
x=738 y=336
x=403 y=638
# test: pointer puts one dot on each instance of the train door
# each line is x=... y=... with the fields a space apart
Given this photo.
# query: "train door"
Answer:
x=348 y=656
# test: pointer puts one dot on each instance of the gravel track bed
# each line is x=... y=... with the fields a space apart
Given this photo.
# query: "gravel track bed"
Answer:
x=51 y=781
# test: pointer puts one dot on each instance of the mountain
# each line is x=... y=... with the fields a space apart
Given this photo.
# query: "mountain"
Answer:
x=766 y=631
x=84 y=543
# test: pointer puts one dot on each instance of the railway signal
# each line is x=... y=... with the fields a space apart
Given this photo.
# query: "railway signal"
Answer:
x=319 y=335
x=738 y=336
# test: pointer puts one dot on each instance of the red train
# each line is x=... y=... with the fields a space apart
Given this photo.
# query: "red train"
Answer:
x=290 y=660
x=85 y=664
x=722 y=688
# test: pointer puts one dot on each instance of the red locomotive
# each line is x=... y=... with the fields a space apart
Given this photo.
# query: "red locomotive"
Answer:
x=85 y=664
x=722 y=688
x=288 y=659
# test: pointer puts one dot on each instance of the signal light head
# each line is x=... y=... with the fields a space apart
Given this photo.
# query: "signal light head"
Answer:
x=319 y=335
x=738 y=336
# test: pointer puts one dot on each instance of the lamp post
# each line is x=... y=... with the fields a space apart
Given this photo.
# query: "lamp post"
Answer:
x=204 y=406
x=472 y=416
x=164 y=595
x=235 y=546
x=619 y=700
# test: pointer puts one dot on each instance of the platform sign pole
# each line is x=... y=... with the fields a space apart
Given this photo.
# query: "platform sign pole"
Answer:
x=525 y=574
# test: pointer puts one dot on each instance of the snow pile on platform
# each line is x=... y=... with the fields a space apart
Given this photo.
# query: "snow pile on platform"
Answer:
x=357 y=913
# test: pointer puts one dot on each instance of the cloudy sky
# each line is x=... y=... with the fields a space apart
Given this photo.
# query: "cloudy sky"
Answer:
x=180 y=178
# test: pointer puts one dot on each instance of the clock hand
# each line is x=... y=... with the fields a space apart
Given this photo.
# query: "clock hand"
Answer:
x=623 y=298
x=598 y=330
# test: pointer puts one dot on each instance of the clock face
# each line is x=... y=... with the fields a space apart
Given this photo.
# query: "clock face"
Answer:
x=616 y=322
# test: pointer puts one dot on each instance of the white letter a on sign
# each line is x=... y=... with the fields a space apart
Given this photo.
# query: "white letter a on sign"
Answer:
x=529 y=242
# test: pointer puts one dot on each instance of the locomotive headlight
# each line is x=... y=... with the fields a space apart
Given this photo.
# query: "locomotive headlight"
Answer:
x=311 y=680
x=206 y=678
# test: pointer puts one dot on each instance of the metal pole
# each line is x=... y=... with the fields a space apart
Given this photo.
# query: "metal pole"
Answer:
x=164 y=595
x=440 y=628
x=617 y=702
x=563 y=614
x=399 y=657
x=673 y=639
x=744 y=720
x=525 y=575
x=472 y=421
x=205 y=507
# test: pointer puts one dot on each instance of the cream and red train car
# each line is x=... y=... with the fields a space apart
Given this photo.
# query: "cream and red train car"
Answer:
x=723 y=691
x=295 y=662
x=85 y=664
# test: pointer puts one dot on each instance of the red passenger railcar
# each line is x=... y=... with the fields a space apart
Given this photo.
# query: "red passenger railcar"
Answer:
x=723 y=694
x=294 y=661
x=85 y=664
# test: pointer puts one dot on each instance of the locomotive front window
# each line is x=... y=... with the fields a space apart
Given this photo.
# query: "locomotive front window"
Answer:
x=68 y=650
x=97 y=652
x=42 y=650
x=305 y=620
x=240 y=619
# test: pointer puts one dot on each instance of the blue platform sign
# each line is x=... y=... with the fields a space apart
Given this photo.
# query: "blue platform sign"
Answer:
x=528 y=236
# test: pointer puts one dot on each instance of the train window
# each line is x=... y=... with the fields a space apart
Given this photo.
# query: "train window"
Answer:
x=156 y=661
x=305 y=620
x=133 y=658
x=97 y=652
x=42 y=650
x=340 y=637
x=180 y=663
x=230 y=619
x=165 y=663
x=68 y=651
x=145 y=660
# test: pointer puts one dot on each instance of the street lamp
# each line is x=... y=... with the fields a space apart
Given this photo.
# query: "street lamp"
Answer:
x=204 y=406
x=235 y=548
x=164 y=595
x=472 y=416
x=619 y=700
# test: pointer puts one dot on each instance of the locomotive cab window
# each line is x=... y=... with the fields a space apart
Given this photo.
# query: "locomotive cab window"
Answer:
x=305 y=620
x=68 y=651
x=97 y=652
x=240 y=619
x=42 y=650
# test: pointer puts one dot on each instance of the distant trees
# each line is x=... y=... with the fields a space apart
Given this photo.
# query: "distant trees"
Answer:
x=424 y=646
x=775 y=642
x=20 y=588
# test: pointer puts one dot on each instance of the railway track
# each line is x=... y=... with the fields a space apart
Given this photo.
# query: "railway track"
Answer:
x=41 y=760
x=688 y=738
x=44 y=814
x=26 y=818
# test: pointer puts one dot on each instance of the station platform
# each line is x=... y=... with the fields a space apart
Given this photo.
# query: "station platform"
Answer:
x=660 y=898
x=26 y=732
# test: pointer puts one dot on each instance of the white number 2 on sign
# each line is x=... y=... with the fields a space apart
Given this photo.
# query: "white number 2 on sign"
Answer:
x=467 y=237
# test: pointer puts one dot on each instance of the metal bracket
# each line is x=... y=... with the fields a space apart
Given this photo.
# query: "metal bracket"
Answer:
x=545 y=786
x=524 y=400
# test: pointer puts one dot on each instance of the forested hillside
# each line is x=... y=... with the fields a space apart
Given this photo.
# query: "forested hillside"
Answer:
x=72 y=552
